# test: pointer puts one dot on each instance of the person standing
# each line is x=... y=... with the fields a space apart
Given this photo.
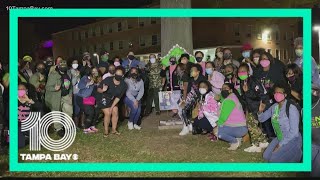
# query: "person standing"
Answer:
x=75 y=79
x=252 y=93
x=199 y=58
x=153 y=68
x=59 y=93
x=111 y=90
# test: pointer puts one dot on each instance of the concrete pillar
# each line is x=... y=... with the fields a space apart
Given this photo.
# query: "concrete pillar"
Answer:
x=176 y=30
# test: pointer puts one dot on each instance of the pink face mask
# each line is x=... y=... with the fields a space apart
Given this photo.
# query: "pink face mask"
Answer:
x=265 y=63
x=21 y=93
x=242 y=73
x=279 y=97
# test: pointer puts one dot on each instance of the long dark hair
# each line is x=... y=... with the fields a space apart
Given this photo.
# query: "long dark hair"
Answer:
x=295 y=69
x=138 y=73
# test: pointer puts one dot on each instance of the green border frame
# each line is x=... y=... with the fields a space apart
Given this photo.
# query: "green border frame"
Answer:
x=168 y=167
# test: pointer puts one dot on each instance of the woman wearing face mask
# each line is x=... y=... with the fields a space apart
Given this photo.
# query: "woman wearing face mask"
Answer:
x=286 y=147
x=294 y=77
x=75 y=79
x=230 y=76
x=255 y=56
x=199 y=57
x=133 y=97
x=269 y=73
x=214 y=77
x=116 y=61
x=154 y=70
x=246 y=53
x=25 y=107
x=38 y=80
x=232 y=121
x=185 y=59
x=253 y=93
x=86 y=100
x=111 y=90
x=208 y=110
x=228 y=59
x=218 y=61
x=59 y=93
x=86 y=64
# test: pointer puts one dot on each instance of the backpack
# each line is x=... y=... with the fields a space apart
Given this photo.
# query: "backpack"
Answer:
x=291 y=102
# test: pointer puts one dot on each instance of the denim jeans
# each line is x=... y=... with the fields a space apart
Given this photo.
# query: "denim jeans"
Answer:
x=290 y=152
x=315 y=161
x=76 y=108
x=134 y=112
x=230 y=134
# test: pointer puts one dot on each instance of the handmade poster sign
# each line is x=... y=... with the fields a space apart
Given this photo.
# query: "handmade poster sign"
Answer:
x=176 y=52
x=168 y=100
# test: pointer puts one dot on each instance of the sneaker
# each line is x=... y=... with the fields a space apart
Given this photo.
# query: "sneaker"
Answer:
x=190 y=127
x=130 y=125
x=94 y=129
x=87 y=131
x=239 y=140
x=184 y=131
x=136 y=127
x=234 y=146
x=263 y=145
x=253 y=148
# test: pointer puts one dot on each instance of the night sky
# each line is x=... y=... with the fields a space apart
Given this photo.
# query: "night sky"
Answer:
x=46 y=26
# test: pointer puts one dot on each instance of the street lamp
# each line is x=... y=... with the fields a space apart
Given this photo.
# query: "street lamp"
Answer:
x=317 y=28
x=96 y=55
x=265 y=35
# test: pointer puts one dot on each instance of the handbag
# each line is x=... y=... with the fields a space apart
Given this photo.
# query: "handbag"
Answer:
x=89 y=101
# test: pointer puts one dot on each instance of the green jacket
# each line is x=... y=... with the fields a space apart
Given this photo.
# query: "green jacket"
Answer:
x=35 y=80
x=53 y=97
x=155 y=80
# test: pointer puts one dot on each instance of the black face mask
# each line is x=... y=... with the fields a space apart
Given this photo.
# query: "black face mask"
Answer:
x=227 y=56
x=172 y=62
x=49 y=63
x=134 y=75
x=199 y=59
x=63 y=69
x=118 y=77
x=225 y=93
x=131 y=57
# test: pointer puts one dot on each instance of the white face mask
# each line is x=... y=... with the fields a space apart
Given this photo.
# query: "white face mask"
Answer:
x=152 y=60
x=203 y=90
x=75 y=66
x=116 y=64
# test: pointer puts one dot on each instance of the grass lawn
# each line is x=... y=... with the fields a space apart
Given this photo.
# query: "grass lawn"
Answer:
x=149 y=145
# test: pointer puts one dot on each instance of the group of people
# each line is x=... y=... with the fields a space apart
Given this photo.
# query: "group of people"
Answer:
x=257 y=95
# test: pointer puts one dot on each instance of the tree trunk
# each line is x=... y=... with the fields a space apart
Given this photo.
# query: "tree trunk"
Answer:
x=176 y=30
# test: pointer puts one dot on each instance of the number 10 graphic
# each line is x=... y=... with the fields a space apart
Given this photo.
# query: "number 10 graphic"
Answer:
x=38 y=128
